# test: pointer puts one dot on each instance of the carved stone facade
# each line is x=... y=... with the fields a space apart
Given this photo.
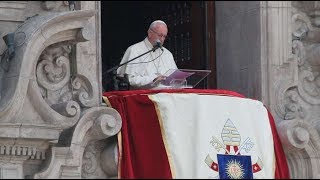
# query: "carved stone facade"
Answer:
x=53 y=123
x=299 y=102
x=52 y=120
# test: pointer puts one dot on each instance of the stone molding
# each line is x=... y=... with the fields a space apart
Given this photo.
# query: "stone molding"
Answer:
x=12 y=10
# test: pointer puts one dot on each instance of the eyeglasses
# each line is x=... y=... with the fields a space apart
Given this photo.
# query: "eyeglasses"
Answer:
x=160 y=35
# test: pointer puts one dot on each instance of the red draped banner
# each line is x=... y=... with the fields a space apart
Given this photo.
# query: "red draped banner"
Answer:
x=146 y=146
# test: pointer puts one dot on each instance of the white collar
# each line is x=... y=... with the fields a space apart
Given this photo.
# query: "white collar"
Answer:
x=147 y=42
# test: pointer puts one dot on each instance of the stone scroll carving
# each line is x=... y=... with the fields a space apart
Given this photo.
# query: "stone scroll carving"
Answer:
x=40 y=72
x=56 y=81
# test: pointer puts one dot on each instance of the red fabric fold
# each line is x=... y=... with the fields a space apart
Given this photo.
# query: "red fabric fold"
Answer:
x=282 y=170
x=143 y=154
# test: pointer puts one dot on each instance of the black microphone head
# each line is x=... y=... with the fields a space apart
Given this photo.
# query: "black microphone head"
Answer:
x=158 y=44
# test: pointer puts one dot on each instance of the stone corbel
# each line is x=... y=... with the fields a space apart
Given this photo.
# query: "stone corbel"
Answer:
x=301 y=143
x=96 y=124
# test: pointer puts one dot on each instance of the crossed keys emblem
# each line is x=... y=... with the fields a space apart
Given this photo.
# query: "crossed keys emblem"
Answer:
x=231 y=146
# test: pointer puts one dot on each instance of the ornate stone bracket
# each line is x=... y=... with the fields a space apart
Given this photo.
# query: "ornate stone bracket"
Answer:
x=97 y=124
x=301 y=143
x=19 y=82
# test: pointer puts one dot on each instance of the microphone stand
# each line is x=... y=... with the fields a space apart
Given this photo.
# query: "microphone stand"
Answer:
x=113 y=70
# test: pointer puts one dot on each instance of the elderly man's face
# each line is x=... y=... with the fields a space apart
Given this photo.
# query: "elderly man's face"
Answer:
x=158 y=32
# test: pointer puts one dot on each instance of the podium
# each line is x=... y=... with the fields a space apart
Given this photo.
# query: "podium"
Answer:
x=181 y=78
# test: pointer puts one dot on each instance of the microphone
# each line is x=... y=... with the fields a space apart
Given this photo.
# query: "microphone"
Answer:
x=157 y=45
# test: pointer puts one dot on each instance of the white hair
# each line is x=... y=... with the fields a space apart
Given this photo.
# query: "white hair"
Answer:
x=155 y=23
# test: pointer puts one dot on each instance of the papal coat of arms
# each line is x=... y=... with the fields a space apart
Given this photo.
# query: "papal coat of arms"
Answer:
x=233 y=157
